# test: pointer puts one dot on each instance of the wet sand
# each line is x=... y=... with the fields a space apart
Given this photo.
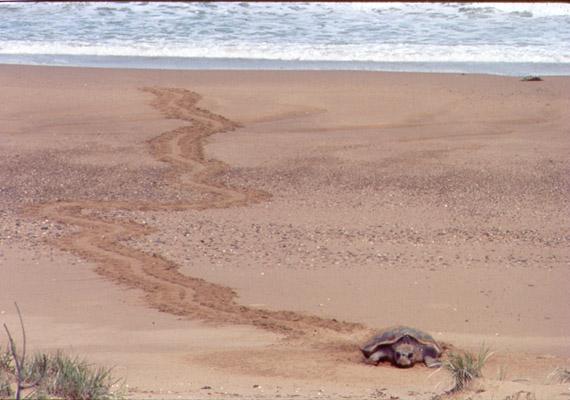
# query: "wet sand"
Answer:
x=247 y=231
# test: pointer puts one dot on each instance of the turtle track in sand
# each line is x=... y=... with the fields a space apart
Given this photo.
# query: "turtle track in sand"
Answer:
x=163 y=286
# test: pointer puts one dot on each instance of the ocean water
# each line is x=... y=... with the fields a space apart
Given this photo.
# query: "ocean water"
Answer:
x=512 y=39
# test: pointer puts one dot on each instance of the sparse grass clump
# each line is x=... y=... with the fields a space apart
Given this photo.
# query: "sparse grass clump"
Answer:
x=71 y=378
x=50 y=376
x=465 y=366
x=60 y=376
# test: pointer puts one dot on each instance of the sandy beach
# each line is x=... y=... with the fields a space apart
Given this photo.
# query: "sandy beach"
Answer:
x=239 y=234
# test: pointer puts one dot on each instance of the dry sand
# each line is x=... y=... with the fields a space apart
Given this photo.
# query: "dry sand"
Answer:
x=240 y=234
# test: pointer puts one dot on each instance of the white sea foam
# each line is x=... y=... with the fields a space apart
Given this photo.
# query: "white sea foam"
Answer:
x=357 y=32
x=375 y=53
x=537 y=10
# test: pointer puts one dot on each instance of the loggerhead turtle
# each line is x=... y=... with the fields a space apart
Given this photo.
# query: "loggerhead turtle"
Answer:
x=403 y=346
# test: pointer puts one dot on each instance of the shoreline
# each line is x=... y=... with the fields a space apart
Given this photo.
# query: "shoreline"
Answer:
x=457 y=202
x=239 y=64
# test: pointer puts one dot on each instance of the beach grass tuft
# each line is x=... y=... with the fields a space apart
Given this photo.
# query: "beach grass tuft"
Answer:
x=61 y=376
x=72 y=378
x=48 y=376
x=465 y=367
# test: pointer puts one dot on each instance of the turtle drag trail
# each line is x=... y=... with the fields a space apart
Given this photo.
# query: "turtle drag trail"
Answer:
x=163 y=286
x=142 y=227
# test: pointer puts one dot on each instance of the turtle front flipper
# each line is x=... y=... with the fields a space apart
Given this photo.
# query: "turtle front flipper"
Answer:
x=379 y=355
x=432 y=362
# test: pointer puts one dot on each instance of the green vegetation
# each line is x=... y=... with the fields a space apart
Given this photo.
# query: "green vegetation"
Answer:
x=69 y=378
x=465 y=366
x=48 y=376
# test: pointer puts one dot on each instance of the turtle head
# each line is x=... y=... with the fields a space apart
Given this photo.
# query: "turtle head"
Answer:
x=404 y=355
